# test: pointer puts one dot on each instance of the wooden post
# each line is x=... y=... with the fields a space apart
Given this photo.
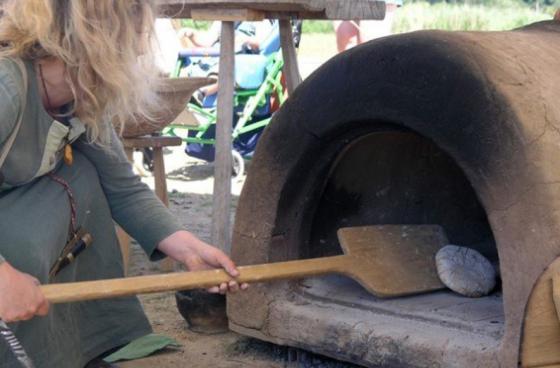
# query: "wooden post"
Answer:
x=160 y=184
x=291 y=68
x=160 y=187
x=124 y=238
x=221 y=234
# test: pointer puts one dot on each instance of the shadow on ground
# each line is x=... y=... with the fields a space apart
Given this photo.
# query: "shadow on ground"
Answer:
x=290 y=357
x=192 y=172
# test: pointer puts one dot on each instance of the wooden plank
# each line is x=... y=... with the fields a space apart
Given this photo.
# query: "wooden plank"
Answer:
x=160 y=183
x=287 y=9
x=151 y=142
x=291 y=68
x=229 y=15
x=541 y=332
x=364 y=260
x=221 y=233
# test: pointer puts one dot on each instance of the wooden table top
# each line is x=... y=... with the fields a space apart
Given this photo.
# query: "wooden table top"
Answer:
x=277 y=9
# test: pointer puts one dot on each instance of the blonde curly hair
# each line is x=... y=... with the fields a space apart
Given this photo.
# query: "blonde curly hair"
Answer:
x=106 y=46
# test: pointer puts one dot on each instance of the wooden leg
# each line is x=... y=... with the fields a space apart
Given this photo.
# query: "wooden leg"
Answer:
x=160 y=184
x=221 y=236
x=124 y=238
x=291 y=68
x=159 y=176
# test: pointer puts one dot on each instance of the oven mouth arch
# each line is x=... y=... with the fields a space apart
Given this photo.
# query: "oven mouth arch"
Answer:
x=308 y=215
x=377 y=173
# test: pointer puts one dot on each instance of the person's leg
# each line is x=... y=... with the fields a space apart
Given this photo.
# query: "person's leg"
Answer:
x=210 y=90
x=346 y=34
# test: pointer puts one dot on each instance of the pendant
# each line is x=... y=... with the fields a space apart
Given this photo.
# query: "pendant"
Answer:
x=68 y=156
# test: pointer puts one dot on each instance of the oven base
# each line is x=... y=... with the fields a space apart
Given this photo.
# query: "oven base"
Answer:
x=334 y=316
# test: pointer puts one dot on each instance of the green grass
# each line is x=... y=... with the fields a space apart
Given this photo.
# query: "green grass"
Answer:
x=199 y=24
x=317 y=26
x=308 y=26
x=422 y=15
x=502 y=15
x=453 y=17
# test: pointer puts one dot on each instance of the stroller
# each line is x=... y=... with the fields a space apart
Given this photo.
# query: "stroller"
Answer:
x=258 y=94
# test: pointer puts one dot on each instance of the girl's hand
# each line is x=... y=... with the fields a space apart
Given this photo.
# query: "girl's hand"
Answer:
x=196 y=255
x=20 y=296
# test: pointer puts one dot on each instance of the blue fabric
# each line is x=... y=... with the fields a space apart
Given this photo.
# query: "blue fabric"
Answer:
x=245 y=143
x=202 y=62
x=210 y=101
x=272 y=43
x=250 y=71
x=200 y=52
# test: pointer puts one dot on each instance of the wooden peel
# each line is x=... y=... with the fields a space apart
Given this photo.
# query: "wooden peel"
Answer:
x=541 y=328
x=387 y=260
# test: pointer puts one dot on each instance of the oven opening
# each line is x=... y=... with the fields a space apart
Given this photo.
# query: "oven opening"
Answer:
x=400 y=177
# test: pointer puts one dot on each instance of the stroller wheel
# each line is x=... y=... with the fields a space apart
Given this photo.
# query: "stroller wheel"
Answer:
x=238 y=167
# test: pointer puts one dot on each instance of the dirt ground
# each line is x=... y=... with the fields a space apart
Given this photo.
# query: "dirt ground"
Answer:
x=190 y=184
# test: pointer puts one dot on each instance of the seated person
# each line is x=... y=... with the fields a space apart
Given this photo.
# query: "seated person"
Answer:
x=248 y=39
x=248 y=35
x=167 y=45
x=194 y=38
x=169 y=40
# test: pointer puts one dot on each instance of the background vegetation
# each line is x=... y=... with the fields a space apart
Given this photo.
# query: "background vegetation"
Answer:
x=475 y=15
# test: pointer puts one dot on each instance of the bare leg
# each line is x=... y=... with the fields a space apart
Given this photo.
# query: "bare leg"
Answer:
x=210 y=90
x=346 y=35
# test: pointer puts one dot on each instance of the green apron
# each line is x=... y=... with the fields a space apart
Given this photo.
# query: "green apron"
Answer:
x=35 y=218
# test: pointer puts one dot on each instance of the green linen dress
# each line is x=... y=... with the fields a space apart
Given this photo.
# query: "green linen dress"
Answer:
x=35 y=218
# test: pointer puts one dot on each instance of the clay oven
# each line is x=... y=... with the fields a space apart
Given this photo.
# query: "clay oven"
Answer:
x=456 y=129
